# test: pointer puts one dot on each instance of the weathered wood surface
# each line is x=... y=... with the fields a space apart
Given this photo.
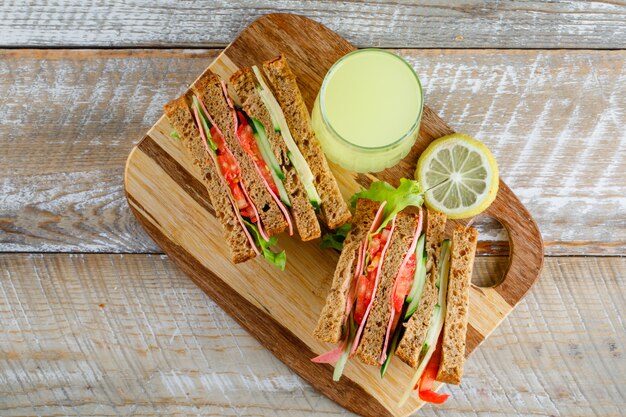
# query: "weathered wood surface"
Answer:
x=123 y=334
x=554 y=120
x=424 y=24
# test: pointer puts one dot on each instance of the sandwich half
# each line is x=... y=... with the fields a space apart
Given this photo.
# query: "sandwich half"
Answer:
x=395 y=279
x=442 y=351
x=266 y=116
x=415 y=329
x=464 y=242
x=211 y=92
x=330 y=326
x=334 y=209
x=235 y=234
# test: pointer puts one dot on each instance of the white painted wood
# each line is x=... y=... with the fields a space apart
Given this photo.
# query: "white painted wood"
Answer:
x=554 y=119
x=130 y=334
x=425 y=24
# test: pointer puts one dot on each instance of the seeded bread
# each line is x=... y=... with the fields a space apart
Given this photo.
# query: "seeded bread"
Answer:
x=244 y=83
x=457 y=306
x=181 y=119
x=415 y=329
x=209 y=89
x=371 y=345
x=329 y=325
x=334 y=209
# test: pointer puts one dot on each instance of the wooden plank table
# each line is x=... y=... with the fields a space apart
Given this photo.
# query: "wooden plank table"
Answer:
x=95 y=321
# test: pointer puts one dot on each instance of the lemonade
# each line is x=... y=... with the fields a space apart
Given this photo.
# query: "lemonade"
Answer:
x=367 y=113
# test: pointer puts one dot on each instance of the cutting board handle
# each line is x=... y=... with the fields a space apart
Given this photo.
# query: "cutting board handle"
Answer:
x=526 y=245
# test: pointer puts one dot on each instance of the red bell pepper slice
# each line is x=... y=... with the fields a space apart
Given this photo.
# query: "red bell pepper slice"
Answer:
x=426 y=381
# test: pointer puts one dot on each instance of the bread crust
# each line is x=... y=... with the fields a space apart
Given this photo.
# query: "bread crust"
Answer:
x=464 y=243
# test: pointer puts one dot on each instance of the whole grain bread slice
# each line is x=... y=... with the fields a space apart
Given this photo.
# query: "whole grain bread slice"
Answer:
x=415 y=329
x=329 y=325
x=371 y=345
x=334 y=209
x=209 y=89
x=181 y=119
x=244 y=83
x=464 y=243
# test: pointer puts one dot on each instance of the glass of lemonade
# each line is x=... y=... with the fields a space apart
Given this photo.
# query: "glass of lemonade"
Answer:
x=368 y=111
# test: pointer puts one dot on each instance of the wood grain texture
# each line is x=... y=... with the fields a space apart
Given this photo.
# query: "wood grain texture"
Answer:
x=425 y=24
x=537 y=110
x=131 y=334
x=263 y=300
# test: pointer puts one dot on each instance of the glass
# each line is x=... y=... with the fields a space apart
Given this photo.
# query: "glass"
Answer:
x=368 y=111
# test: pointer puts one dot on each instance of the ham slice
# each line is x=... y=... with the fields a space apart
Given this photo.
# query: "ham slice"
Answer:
x=361 y=260
x=223 y=181
x=416 y=235
x=331 y=356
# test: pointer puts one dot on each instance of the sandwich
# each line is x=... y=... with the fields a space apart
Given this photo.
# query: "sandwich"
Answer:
x=377 y=253
x=247 y=208
x=409 y=311
x=441 y=351
x=274 y=103
x=261 y=164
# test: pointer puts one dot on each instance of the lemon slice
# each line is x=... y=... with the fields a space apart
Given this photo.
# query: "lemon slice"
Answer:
x=460 y=175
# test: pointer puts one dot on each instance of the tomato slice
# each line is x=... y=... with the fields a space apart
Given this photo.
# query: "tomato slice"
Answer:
x=404 y=282
x=425 y=384
x=365 y=286
x=365 y=292
x=218 y=139
x=248 y=142
x=232 y=174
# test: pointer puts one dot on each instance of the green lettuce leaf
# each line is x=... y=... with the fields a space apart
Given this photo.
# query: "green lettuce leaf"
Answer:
x=174 y=134
x=278 y=259
x=204 y=119
x=408 y=193
x=335 y=240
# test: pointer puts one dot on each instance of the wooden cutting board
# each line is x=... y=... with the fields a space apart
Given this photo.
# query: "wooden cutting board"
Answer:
x=281 y=308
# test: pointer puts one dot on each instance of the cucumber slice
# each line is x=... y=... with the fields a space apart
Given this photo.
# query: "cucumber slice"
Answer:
x=436 y=323
x=295 y=156
x=341 y=363
x=419 y=279
x=420 y=270
x=306 y=177
x=418 y=288
x=392 y=350
x=261 y=88
x=270 y=110
x=204 y=120
x=266 y=149
x=270 y=159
